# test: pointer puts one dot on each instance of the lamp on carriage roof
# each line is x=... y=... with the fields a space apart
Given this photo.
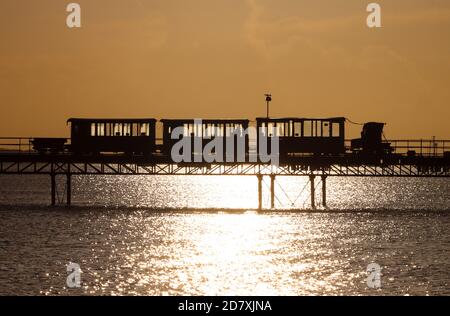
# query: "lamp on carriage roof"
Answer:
x=268 y=99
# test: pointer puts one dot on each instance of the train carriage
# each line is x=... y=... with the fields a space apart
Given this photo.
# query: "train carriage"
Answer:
x=232 y=132
x=129 y=136
x=303 y=136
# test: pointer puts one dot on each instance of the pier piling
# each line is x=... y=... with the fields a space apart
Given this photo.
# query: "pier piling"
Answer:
x=259 y=192
x=69 y=189
x=324 y=190
x=272 y=191
x=53 y=188
x=313 y=191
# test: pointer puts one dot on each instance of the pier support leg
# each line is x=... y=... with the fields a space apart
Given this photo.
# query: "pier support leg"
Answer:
x=53 y=188
x=272 y=191
x=69 y=189
x=313 y=191
x=324 y=191
x=259 y=192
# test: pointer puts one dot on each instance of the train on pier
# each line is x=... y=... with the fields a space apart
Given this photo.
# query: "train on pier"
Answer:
x=297 y=137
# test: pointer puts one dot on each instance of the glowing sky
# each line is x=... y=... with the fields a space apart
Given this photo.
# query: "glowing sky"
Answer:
x=216 y=58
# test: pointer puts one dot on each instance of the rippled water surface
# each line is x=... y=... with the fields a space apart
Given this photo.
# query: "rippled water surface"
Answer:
x=173 y=236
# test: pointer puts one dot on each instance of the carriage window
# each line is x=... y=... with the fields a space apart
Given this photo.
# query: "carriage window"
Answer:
x=326 y=129
x=335 y=130
x=307 y=128
x=239 y=130
x=279 y=128
x=145 y=131
x=100 y=129
x=317 y=130
x=297 y=129
x=117 y=129
x=262 y=129
x=92 y=129
x=199 y=130
x=270 y=129
x=135 y=129
x=127 y=129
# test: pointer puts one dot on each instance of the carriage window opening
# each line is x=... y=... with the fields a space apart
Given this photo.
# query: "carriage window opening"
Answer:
x=200 y=130
x=270 y=129
x=144 y=129
x=239 y=131
x=92 y=129
x=196 y=131
x=280 y=129
x=127 y=129
x=335 y=130
x=297 y=129
x=100 y=129
x=326 y=129
x=211 y=128
x=263 y=129
x=317 y=130
x=118 y=129
x=135 y=129
x=307 y=128
x=229 y=130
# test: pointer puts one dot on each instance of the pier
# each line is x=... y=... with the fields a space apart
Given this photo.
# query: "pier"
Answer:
x=428 y=163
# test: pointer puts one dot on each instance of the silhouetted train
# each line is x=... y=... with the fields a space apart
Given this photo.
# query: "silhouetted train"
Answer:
x=137 y=137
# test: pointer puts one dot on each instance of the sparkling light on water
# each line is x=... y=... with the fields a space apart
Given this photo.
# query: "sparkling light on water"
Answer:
x=127 y=242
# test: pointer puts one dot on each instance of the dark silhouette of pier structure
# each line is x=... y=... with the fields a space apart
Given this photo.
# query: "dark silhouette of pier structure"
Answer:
x=430 y=159
x=314 y=148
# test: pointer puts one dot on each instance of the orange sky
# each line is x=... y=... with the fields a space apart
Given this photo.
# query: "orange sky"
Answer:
x=216 y=58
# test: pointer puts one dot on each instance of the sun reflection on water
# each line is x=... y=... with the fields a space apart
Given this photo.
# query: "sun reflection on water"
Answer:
x=174 y=236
